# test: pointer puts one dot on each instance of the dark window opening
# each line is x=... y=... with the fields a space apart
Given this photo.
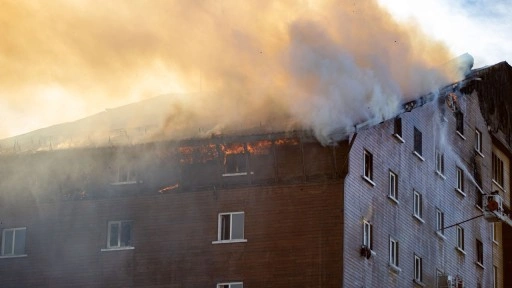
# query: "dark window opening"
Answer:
x=418 y=142
x=479 y=252
x=459 y=119
x=368 y=165
x=235 y=163
x=398 y=126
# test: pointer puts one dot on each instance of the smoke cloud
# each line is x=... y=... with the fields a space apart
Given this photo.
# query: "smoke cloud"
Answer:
x=323 y=65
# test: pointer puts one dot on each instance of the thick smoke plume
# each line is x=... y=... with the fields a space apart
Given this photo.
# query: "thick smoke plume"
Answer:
x=322 y=65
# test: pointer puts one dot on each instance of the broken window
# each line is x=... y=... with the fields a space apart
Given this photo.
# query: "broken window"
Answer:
x=235 y=163
x=119 y=234
x=459 y=120
x=368 y=165
x=231 y=226
x=398 y=127
x=13 y=241
x=418 y=142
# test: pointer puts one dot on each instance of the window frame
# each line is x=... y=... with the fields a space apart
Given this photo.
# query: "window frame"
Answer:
x=418 y=268
x=398 y=128
x=368 y=166
x=494 y=233
x=494 y=276
x=119 y=245
x=460 y=238
x=418 y=205
x=439 y=221
x=498 y=170
x=393 y=186
x=478 y=141
x=460 y=180
x=394 y=253
x=439 y=162
x=368 y=234
x=221 y=230
x=13 y=253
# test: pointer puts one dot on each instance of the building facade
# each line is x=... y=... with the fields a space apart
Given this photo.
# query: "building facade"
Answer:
x=398 y=204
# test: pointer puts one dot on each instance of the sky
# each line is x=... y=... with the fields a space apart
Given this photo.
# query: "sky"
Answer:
x=64 y=60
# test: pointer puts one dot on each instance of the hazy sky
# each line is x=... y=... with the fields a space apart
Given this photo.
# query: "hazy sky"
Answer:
x=61 y=60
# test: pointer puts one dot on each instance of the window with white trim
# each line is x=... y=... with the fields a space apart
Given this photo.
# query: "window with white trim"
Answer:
x=460 y=179
x=397 y=129
x=418 y=205
x=368 y=165
x=231 y=226
x=439 y=162
x=439 y=221
x=460 y=238
x=13 y=241
x=393 y=252
x=393 y=185
x=418 y=268
x=498 y=170
x=231 y=285
x=119 y=234
x=478 y=140
x=367 y=235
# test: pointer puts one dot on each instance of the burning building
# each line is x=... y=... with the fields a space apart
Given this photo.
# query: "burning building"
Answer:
x=381 y=205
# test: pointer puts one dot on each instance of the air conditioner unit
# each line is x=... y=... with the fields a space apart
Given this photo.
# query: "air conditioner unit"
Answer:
x=493 y=207
x=447 y=281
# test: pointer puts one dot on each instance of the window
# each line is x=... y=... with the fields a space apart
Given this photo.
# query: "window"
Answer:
x=497 y=170
x=393 y=185
x=367 y=235
x=119 y=234
x=397 y=132
x=478 y=141
x=460 y=238
x=13 y=241
x=368 y=165
x=231 y=226
x=479 y=201
x=479 y=252
x=459 y=119
x=235 y=163
x=125 y=175
x=231 y=285
x=440 y=222
x=439 y=162
x=393 y=252
x=460 y=180
x=418 y=269
x=418 y=205
x=418 y=142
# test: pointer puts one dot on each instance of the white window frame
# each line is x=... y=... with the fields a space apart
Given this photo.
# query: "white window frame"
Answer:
x=11 y=253
x=460 y=181
x=478 y=141
x=439 y=221
x=494 y=233
x=418 y=205
x=125 y=175
x=119 y=245
x=439 y=162
x=368 y=166
x=367 y=234
x=418 y=269
x=230 y=284
x=460 y=238
x=220 y=228
x=394 y=252
x=393 y=186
